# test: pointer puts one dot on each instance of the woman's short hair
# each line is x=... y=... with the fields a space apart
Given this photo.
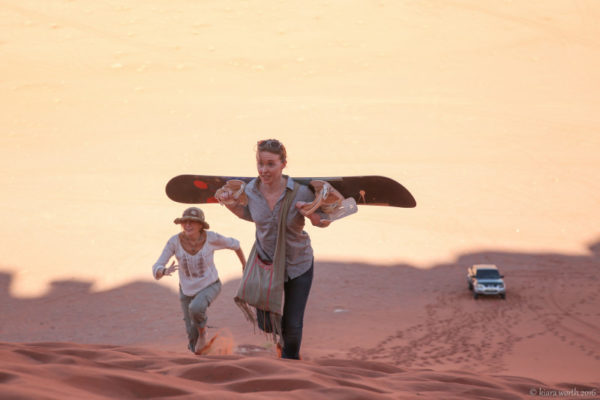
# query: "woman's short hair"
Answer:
x=272 y=146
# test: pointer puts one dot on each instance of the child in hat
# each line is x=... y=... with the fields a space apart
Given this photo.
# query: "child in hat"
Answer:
x=199 y=283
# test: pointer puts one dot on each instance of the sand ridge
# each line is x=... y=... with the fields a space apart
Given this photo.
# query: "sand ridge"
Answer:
x=70 y=370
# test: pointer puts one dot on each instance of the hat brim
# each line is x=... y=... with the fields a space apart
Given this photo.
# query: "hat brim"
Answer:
x=182 y=219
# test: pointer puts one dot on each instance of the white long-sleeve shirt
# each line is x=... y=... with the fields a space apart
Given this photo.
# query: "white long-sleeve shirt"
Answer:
x=195 y=271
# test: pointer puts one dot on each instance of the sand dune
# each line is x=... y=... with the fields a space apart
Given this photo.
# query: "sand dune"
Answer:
x=400 y=340
x=487 y=111
x=69 y=370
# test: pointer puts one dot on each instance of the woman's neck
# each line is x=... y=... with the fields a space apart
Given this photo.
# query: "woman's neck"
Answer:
x=275 y=187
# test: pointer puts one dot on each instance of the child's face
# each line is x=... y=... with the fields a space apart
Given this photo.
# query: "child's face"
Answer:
x=191 y=227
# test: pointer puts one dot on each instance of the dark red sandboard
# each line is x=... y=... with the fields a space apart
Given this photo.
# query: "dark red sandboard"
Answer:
x=366 y=190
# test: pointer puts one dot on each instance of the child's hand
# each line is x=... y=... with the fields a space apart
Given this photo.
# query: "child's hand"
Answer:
x=172 y=268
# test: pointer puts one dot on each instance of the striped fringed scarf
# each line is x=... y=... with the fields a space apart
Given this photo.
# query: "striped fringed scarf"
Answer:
x=261 y=286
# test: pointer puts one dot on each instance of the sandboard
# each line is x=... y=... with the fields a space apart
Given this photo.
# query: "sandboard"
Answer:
x=365 y=190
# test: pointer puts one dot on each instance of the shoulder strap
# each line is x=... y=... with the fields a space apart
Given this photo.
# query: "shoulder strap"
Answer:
x=287 y=201
x=279 y=258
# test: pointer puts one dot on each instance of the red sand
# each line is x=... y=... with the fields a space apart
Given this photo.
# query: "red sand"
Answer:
x=487 y=111
x=390 y=332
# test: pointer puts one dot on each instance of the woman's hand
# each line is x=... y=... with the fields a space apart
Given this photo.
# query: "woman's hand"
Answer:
x=300 y=204
x=314 y=218
x=223 y=196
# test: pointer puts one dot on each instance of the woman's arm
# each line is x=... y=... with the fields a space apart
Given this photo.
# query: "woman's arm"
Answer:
x=224 y=197
x=238 y=210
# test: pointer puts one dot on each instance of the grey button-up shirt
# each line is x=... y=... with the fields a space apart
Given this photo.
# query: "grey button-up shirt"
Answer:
x=298 y=251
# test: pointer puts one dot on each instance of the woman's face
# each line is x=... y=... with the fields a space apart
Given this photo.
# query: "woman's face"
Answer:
x=191 y=227
x=269 y=166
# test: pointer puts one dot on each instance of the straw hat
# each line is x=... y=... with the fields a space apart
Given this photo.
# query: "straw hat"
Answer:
x=193 y=214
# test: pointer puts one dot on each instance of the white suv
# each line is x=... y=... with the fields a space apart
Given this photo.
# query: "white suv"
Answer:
x=485 y=279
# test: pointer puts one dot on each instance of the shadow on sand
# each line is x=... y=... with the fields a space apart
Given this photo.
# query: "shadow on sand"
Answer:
x=435 y=312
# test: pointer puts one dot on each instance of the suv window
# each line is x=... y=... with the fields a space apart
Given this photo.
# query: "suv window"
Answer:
x=487 y=274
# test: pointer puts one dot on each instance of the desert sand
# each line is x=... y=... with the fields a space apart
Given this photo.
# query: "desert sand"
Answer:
x=487 y=111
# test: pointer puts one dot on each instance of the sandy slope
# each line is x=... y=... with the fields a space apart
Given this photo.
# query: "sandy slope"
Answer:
x=486 y=111
x=56 y=370
x=399 y=339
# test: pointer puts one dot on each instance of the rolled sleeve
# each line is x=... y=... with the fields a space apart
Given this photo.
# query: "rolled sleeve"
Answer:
x=219 y=241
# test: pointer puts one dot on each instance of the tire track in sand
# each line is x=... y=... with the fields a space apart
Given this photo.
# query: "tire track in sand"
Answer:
x=457 y=331
x=460 y=332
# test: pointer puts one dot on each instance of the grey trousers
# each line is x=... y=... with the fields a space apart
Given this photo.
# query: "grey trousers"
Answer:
x=194 y=310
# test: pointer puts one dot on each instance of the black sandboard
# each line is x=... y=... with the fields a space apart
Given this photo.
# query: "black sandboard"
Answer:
x=366 y=190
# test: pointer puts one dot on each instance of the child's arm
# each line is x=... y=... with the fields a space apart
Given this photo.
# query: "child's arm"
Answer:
x=221 y=242
x=240 y=254
x=159 y=268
